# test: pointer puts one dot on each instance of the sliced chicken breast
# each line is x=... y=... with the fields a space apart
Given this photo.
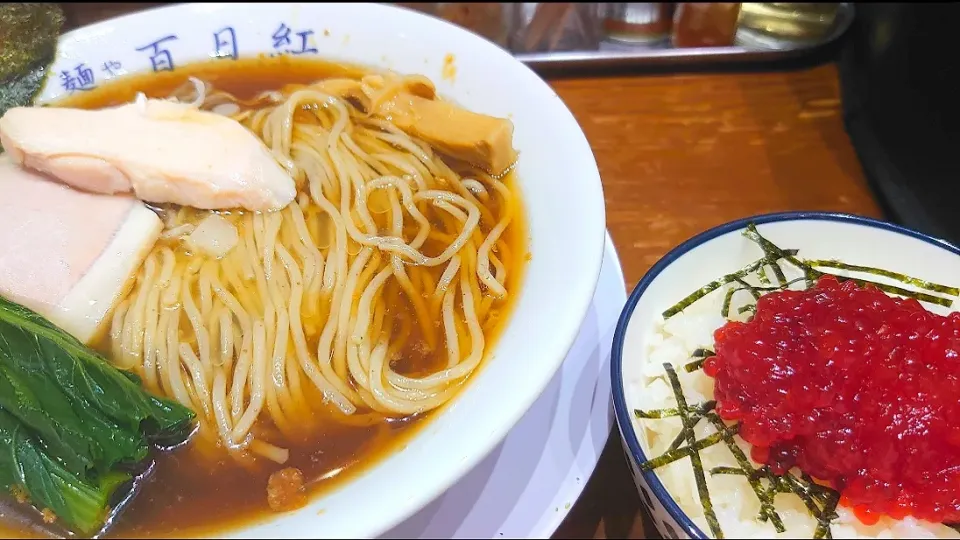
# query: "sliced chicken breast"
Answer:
x=161 y=151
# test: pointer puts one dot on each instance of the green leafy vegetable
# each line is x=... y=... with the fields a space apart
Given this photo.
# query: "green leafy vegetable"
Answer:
x=70 y=426
x=17 y=397
x=28 y=44
x=68 y=419
x=84 y=375
x=80 y=505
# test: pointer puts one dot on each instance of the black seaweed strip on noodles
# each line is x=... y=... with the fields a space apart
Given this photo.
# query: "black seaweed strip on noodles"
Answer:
x=695 y=461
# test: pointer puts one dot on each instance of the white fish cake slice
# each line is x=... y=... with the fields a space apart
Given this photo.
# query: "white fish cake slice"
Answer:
x=67 y=254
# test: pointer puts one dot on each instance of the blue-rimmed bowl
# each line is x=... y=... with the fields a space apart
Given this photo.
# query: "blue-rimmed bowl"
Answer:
x=723 y=250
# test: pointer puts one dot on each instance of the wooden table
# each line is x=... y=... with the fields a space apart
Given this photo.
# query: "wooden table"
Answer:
x=679 y=154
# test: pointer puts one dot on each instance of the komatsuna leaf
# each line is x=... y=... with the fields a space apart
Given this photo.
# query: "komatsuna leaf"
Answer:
x=85 y=375
x=79 y=505
x=75 y=422
x=17 y=397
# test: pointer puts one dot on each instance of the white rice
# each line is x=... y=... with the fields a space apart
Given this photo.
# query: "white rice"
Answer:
x=734 y=501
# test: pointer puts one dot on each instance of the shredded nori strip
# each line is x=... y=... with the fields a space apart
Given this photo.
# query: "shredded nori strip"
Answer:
x=812 y=274
x=674 y=452
x=772 y=255
x=732 y=471
x=688 y=426
x=710 y=287
x=725 y=309
x=695 y=365
x=781 y=278
x=827 y=515
x=821 y=501
x=679 y=453
x=767 y=509
x=701 y=355
x=698 y=410
x=808 y=491
x=762 y=276
x=903 y=278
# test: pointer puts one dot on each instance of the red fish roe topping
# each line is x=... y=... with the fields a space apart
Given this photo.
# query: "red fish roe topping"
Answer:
x=858 y=389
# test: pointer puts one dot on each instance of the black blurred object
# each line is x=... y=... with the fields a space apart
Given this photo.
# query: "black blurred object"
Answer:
x=900 y=83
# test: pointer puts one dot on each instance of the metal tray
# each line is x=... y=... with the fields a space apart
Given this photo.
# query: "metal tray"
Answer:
x=612 y=55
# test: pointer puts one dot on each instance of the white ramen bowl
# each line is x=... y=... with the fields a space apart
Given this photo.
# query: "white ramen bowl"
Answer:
x=557 y=175
x=720 y=251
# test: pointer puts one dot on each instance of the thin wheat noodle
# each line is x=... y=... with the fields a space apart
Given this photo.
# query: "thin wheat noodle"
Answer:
x=314 y=306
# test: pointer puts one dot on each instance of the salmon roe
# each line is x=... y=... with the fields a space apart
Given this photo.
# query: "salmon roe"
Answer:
x=858 y=389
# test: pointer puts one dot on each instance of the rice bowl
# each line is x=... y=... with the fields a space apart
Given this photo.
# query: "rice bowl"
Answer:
x=645 y=342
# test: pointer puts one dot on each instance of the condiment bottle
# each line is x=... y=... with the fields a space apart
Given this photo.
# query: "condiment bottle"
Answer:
x=554 y=26
x=784 y=25
x=637 y=22
x=711 y=24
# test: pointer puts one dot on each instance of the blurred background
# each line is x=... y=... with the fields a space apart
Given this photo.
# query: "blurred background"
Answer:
x=532 y=27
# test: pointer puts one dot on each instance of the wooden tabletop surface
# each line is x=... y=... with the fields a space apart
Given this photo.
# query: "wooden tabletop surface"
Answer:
x=679 y=154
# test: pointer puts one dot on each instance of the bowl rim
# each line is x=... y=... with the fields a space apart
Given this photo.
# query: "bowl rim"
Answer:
x=624 y=423
x=579 y=297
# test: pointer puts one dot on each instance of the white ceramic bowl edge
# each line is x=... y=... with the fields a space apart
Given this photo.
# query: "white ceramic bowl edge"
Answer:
x=558 y=177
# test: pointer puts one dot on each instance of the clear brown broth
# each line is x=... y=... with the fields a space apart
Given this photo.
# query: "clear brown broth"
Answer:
x=198 y=489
